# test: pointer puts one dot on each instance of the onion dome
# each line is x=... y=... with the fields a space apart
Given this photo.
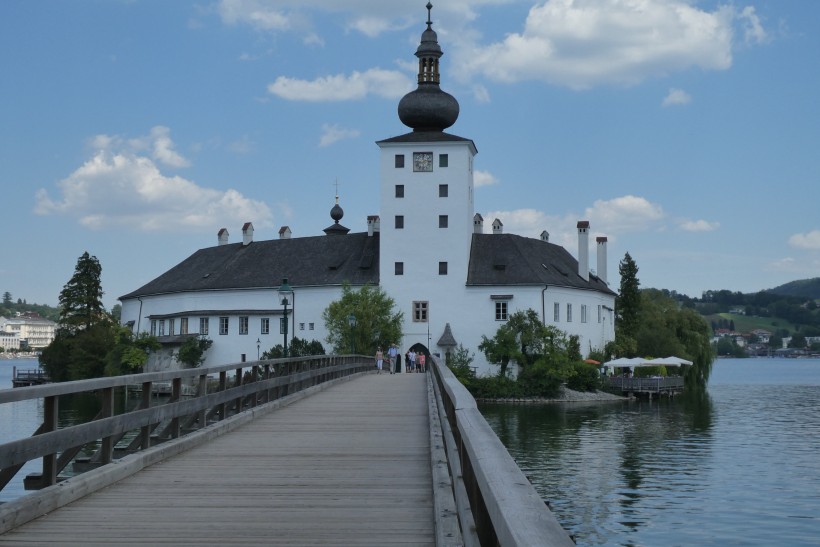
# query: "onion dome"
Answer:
x=428 y=108
x=336 y=213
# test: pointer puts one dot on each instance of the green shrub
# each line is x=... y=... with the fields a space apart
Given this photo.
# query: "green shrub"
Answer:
x=584 y=377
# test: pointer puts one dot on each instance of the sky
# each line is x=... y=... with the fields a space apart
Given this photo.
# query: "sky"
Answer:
x=685 y=131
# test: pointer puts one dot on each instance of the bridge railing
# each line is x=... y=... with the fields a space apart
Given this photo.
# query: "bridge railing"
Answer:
x=496 y=502
x=652 y=385
x=198 y=396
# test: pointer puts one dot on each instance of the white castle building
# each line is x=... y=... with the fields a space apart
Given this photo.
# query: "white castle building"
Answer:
x=426 y=249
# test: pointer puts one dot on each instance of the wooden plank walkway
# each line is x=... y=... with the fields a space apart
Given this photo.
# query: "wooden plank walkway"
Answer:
x=347 y=466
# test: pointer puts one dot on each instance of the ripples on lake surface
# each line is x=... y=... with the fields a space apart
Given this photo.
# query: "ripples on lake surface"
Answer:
x=738 y=467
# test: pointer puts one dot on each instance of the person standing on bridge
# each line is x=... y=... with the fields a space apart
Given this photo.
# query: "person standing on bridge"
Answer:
x=422 y=360
x=379 y=360
x=393 y=353
x=412 y=357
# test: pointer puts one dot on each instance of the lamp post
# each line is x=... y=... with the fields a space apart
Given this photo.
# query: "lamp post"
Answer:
x=351 y=320
x=285 y=294
x=258 y=344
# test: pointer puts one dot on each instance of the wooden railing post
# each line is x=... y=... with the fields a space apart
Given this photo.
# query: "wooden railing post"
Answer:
x=50 y=411
x=202 y=391
x=145 y=431
x=107 y=411
x=223 y=385
x=176 y=394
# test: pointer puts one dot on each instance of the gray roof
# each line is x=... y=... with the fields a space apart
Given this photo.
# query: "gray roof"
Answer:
x=426 y=136
x=509 y=259
x=305 y=261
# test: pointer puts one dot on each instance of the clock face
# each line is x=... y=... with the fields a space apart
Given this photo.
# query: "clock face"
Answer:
x=422 y=161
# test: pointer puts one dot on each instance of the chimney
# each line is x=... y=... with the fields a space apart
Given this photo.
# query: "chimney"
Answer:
x=222 y=236
x=478 y=224
x=284 y=232
x=373 y=224
x=545 y=236
x=583 y=249
x=247 y=233
x=601 y=258
x=498 y=228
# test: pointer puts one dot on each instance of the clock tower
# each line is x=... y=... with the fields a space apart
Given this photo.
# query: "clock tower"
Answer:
x=426 y=204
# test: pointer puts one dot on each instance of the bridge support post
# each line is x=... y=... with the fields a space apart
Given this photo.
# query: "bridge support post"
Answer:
x=50 y=424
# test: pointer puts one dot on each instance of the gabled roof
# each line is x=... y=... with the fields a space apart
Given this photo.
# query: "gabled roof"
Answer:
x=305 y=261
x=509 y=259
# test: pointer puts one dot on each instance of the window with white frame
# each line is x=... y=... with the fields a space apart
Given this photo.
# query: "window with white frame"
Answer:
x=153 y=327
x=311 y=326
x=223 y=325
x=583 y=313
x=556 y=312
x=301 y=326
x=171 y=327
x=569 y=313
x=599 y=313
x=183 y=325
x=203 y=326
x=501 y=310
x=265 y=326
x=161 y=327
x=243 y=325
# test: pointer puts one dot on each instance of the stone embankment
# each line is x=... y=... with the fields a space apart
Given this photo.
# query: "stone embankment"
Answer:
x=566 y=395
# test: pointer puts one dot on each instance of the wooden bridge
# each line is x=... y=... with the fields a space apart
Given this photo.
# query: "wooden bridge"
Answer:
x=317 y=451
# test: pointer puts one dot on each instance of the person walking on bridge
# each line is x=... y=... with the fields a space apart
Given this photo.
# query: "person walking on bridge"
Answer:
x=393 y=354
x=379 y=360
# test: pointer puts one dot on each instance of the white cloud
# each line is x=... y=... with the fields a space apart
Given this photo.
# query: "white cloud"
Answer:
x=119 y=188
x=754 y=33
x=809 y=240
x=483 y=178
x=481 y=94
x=624 y=214
x=525 y=222
x=676 y=97
x=699 y=226
x=384 y=83
x=242 y=146
x=258 y=14
x=334 y=133
x=583 y=43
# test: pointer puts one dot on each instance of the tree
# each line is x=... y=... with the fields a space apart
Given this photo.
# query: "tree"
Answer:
x=798 y=341
x=7 y=299
x=523 y=339
x=81 y=298
x=627 y=306
x=130 y=352
x=192 y=351
x=85 y=333
x=377 y=324
x=298 y=348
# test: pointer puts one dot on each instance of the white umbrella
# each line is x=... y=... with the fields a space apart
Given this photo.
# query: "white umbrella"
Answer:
x=624 y=362
x=671 y=361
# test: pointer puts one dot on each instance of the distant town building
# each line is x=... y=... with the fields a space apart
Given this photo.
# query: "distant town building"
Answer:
x=33 y=332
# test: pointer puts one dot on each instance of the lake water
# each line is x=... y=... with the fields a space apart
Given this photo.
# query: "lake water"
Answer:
x=738 y=467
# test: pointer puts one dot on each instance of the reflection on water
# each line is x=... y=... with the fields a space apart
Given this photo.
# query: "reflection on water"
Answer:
x=735 y=466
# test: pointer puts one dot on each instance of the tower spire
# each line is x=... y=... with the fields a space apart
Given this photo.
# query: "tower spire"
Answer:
x=428 y=108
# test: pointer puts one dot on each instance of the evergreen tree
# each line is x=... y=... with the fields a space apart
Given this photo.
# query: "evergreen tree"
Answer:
x=7 y=299
x=627 y=308
x=81 y=298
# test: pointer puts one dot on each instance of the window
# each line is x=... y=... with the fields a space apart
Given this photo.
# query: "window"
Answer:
x=243 y=325
x=399 y=222
x=599 y=313
x=301 y=326
x=153 y=327
x=442 y=268
x=443 y=190
x=420 y=312
x=583 y=313
x=400 y=190
x=399 y=268
x=283 y=325
x=223 y=325
x=203 y=326
x=171 y=327
x=183 y=325
x=310 y=326
x=569 y=313
x=162 y=327
x=556 y=312
x=442 y=221
x=265 y=325
x=399 y=161
x=443 y=160
x=501 y=311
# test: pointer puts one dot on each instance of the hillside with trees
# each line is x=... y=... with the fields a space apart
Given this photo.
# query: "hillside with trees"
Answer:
x=10 y=307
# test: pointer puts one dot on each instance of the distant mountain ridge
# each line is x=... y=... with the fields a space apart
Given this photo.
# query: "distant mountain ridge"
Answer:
x=806 y=288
